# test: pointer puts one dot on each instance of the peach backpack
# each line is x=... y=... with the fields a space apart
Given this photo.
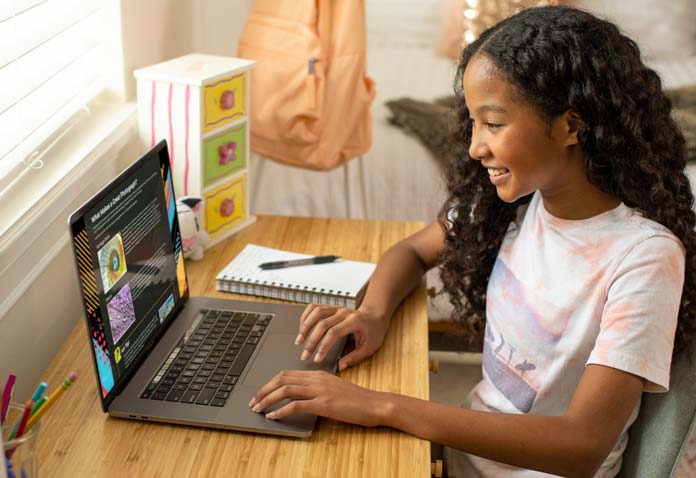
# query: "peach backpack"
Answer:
x=310 y=98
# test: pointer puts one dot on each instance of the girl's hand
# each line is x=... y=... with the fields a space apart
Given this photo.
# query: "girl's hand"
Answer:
x=328 y=324
x=320 y=393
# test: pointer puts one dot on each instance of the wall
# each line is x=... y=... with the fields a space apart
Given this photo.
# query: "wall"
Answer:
x=32 y=330
x=159 y=30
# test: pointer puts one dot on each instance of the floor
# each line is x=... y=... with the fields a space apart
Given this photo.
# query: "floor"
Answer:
x=453 y=381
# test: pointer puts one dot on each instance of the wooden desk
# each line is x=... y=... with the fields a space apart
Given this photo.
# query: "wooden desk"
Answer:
x=78 y=440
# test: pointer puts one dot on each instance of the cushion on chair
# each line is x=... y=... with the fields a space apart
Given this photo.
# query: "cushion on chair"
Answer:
x=659 y=435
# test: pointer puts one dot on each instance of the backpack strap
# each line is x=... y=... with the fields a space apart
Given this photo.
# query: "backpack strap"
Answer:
x=324 y=30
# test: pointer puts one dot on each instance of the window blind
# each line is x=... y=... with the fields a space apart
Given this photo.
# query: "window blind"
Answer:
x=51 y=64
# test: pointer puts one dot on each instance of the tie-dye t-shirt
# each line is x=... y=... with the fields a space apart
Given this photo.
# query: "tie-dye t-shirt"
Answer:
x=564 y=294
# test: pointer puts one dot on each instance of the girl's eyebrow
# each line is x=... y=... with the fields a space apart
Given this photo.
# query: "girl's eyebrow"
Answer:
x=490 y=108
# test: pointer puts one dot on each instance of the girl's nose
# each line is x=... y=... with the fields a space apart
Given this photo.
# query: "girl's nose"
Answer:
x=478 y=149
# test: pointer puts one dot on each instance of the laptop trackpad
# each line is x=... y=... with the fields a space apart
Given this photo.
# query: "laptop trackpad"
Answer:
x=279 y=352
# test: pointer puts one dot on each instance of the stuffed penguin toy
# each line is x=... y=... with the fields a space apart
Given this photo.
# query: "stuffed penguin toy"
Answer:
x=193 y=238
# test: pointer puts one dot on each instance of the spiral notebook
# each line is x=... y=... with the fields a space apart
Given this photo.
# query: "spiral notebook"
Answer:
x=342 y=282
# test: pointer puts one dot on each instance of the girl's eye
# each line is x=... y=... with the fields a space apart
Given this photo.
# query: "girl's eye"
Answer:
x=493 y=126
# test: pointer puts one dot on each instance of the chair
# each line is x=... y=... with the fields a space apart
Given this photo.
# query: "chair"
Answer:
x=660 y=433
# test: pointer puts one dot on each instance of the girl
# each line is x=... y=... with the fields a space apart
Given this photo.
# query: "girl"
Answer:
x=567 y=246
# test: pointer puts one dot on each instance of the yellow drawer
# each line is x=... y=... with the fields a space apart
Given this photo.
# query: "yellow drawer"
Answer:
x=225 y=206
x=224 y=101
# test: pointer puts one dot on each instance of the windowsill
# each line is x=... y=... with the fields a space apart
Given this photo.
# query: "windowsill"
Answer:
x=34 y=210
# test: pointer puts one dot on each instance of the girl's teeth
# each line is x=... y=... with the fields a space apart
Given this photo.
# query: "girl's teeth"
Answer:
x=496 y=172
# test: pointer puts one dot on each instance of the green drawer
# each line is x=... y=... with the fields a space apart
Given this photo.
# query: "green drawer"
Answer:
x=224 y=154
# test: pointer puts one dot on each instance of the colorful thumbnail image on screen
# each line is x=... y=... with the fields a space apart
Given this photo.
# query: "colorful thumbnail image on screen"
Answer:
x=121 y=312
x=112 y=262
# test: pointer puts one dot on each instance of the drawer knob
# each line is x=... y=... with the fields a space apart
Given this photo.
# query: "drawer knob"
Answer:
x=227 y=207
x=228 y=153
x=227 y=100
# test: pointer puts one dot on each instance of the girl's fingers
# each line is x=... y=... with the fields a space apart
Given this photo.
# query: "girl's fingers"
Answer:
x=319 y=334
x=343 y=327
x=315 y=315
x=305 y=313
x=297 y=406
x=285 y=377
x=356 y=356
x=288 y=391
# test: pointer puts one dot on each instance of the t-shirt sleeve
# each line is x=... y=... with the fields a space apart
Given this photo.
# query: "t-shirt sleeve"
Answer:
x=639 y=319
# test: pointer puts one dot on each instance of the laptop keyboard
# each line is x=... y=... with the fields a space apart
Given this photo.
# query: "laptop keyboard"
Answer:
x=204 y=366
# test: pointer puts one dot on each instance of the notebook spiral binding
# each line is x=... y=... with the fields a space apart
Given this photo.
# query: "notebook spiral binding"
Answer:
x=291 y=292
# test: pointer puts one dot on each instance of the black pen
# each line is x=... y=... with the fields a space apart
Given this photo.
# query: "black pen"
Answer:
x=299 y=262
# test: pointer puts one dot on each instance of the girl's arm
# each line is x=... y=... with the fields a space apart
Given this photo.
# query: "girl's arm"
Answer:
x=574 y=444
x=397 y=273
x=401 y=268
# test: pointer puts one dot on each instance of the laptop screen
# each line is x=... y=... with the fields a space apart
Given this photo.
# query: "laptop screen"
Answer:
x=130 y=265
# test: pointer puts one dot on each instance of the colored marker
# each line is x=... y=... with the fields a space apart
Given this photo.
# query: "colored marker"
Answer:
x=32 y=406
x=39 y=391
x=7 y=396
x=38 y=405
x=51 y=400
x=21 y=425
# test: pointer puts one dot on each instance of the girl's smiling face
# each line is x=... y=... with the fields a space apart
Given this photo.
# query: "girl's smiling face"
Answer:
x=521 y=150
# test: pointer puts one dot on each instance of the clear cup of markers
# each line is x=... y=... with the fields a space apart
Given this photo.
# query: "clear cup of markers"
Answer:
x=20 y=453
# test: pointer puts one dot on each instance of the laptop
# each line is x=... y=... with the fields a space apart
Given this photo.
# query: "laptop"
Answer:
x=159 y=354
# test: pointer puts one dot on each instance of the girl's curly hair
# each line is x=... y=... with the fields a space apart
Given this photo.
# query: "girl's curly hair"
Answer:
x=558 y=59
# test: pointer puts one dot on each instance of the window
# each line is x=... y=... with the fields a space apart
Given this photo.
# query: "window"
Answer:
x=51 y=66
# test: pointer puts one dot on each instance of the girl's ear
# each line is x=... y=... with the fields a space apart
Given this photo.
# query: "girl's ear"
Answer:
x=572 y=123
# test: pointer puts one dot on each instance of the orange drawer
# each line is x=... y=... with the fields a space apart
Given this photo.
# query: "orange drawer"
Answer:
x=224 y=101
x=225 y=206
